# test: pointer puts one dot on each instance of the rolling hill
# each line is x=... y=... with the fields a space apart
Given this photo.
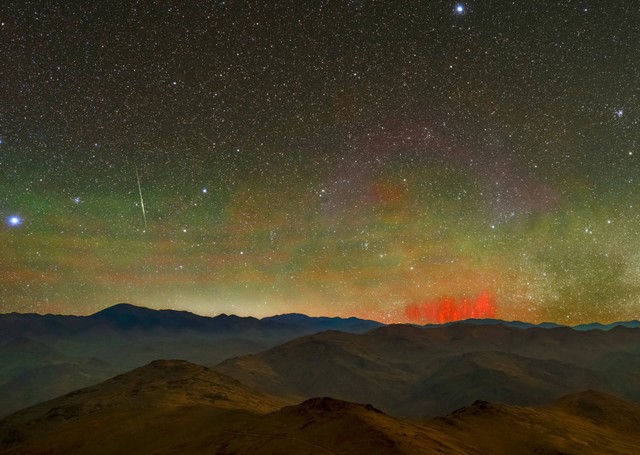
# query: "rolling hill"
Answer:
x=175 y=407
x=163 y=404
x=415 y=372
x=43 y=356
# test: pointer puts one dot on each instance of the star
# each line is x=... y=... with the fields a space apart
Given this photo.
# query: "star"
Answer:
x=14 y=220
x=315 y=162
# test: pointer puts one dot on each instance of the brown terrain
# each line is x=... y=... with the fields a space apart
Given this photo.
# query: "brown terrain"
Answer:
x=413 y=372
x=403 y=370
x=467 y=388
x=148 y=409
x=173 y=406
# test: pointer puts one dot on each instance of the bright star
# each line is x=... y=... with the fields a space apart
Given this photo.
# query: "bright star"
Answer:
x=204 y=190
x=619 y=112
x=459 y=8
x=14 y=220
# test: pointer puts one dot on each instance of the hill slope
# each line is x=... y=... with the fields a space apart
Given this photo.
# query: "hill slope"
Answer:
x=174 y=407
x=566 y=426
x=413 y=372
x=42 y=356
x=329 y=426
x=144 y=409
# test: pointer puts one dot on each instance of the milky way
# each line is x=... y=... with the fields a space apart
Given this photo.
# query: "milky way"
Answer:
x=328 y=157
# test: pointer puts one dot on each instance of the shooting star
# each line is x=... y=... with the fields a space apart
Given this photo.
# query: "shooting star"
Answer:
x=144 y=214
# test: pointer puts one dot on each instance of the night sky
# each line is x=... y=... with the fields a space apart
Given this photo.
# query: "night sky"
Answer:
x=395 y=160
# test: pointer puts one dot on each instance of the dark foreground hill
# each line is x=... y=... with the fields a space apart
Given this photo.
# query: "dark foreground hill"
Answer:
x=174 y=407
x=414 y=372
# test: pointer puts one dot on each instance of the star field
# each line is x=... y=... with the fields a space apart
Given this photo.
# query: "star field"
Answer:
x=327 y=157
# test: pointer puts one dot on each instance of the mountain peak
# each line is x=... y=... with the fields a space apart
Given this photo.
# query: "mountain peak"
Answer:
x=124 y=309
x=328 y=404
x=477 y=407
x=323 y=407
x=174 y=364
x=129 y=317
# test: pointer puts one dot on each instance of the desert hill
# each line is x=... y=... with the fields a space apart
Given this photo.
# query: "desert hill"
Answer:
x=152 y=407
x=175 y=407
x=565 y=426
x=329 y=426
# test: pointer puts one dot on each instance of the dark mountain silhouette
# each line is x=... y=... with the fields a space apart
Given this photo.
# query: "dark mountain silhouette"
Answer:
x=125 y=318
x=318 y=324
x=129 y=319
x=597 y=326
x=490 y=321
x=542 y=325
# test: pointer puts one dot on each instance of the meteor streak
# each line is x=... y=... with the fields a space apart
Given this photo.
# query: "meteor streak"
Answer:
x=144 y=214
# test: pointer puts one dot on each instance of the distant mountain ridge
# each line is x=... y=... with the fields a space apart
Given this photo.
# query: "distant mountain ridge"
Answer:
x=544 y=325
x=125 y=316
